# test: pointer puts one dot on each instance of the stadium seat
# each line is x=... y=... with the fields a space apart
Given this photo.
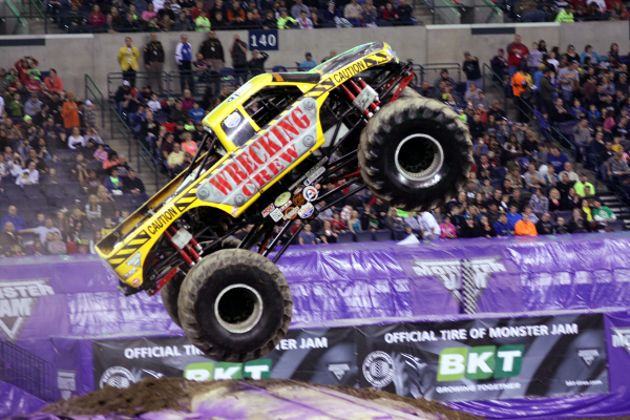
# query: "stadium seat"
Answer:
x=345 y=237
x=382 y=235
x=364 y=236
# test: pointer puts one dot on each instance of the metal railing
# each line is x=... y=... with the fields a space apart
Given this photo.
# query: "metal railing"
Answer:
x=432 y=70
x=119 y=129
x=509 y=105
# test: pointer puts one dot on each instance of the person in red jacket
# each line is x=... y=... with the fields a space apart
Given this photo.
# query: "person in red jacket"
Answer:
x=517 y=53
x=53 y=82
x=97 y=19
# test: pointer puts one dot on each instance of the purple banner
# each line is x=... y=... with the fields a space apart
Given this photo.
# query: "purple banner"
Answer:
x=51 y=307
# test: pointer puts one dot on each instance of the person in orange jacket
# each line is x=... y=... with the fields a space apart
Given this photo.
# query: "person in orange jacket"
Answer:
x=70 y=113
x=525 y=227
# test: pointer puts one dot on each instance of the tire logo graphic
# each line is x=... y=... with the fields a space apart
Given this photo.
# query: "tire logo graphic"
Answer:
x=378 y=369
x=116 y=377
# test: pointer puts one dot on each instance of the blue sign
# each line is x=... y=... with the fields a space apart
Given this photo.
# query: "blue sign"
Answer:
x=263 y=39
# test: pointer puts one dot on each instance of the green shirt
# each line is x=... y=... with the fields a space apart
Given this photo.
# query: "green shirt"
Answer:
x=284 y=21
x=202 y=24
x=564 y=17
x=603 y=213
x=580 y=188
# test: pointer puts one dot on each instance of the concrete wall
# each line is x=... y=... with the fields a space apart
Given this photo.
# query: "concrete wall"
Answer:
x=75 y=55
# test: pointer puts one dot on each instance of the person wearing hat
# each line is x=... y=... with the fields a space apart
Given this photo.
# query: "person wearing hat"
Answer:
x=308 y=63
x=128 y=59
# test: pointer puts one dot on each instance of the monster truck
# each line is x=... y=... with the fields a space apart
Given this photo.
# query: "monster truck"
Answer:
x=282 y=147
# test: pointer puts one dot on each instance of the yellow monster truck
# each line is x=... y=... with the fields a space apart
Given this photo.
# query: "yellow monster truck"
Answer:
x=204 y=240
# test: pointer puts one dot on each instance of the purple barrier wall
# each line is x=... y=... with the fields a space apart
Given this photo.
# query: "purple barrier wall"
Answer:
x=50 y=306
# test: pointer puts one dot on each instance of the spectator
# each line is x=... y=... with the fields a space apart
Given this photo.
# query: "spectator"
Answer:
x=525 y=227
x=517 y=52
x=499 y=66
x=447 y=229
x=369 y=14
x=285 y=21
x=176 y=159
x=578 y=222
x=565 y=15
x=70 y=113
x=584 y=188
x=304 y=22
x=352 y=13
x=154 y=63
x=133 y=185
x=202 y=23
x=257 y=63
x=29 y=176
x=429 y=227
x=196 y=113
x=538 y=202
x=33 y=105
x=212 y=51
x=97 y=20
x=513 y=216
x=297 y=9
x=76 y=140
x=522 y=84
x=239 y=59
x=602 y=214
x=306 y=236
x=114 y=182
x=404 y=12
x=14 y=218
x=308 y=63
x=545 y=225
x=486 y=229
x=10 y=241
x=235 y=14
x=128 y=60
x=183 y=58
x=53 y=82
x=472 y=70
x=389 y=15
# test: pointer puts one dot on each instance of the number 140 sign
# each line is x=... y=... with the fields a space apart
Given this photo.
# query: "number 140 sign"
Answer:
x=263 y=39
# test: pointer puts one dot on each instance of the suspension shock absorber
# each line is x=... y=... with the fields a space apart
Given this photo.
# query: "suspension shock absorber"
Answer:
x=362 y=96
x=187 y=252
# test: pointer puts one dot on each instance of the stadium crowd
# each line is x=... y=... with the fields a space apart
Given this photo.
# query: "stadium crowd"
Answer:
x=200 y=15
x=61 y=185
x=522 y=183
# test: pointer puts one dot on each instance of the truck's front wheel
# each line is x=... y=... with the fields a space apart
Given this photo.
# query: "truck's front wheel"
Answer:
x=415 y=153
x=235 y=305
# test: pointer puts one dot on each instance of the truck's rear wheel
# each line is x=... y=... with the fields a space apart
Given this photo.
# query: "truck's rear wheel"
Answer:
x=169 y=294
x=415 y=153
x=235 y=305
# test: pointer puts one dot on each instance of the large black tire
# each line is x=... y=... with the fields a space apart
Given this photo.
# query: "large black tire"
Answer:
x=415 y=153
x=169 y=294
x=235 y=305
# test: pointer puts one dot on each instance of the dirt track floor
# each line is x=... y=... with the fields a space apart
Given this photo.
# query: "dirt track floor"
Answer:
x=176 y=394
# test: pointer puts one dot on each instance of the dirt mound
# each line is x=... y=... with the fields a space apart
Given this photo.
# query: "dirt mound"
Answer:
x=152 y=395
